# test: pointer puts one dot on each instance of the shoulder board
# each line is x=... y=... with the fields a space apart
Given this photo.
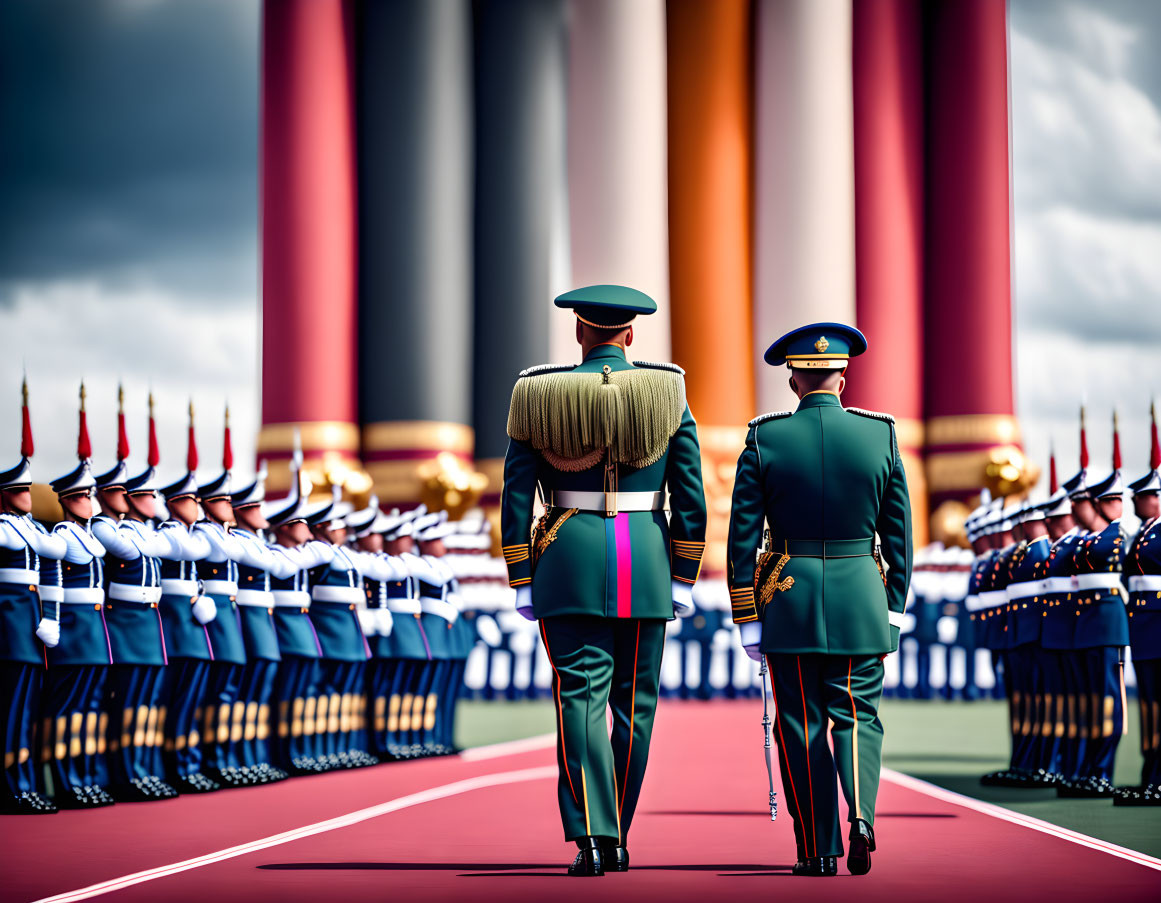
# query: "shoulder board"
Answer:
x=546 y=368
x=876 y=415
x=773 y=415
x=650 y=365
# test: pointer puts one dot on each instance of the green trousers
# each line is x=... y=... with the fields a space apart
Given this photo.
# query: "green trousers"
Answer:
x=811 y=691
x=598 y=664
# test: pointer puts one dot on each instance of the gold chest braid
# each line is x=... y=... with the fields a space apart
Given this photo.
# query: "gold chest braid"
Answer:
x=576 y=419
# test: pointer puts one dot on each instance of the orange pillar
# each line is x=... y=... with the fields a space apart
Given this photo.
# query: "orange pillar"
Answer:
x=709 y=237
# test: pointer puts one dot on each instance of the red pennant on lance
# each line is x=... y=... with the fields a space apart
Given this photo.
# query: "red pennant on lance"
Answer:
x=1155 y=445
x=1116 y=444
x=227 y=449
x=122 y=435
x=154 y=457
x=191 y=455
x=1083 y=443
x=1053 y=483
x=26 y=446
x=84 y=446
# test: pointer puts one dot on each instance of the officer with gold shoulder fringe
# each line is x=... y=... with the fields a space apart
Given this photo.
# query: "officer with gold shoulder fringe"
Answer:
x=825 y=480
x=605 y=569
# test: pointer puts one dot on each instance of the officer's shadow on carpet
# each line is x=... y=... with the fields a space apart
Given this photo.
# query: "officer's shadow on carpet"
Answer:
x=510 y=870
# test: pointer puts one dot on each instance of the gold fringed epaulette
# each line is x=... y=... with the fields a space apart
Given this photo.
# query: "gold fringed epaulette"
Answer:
x=874 y=415
x=572 y=418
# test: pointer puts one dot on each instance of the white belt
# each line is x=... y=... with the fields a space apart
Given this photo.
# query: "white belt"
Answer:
x=220 y=587
x=404 y=605
x=174 y=587
x=1025 y=590
x=1098 y=581
x=124 y=592
x=50 y=593
x=83 y=595
x=972 y=602
x=259 y=598
x=1145 y=583
x=291 y=598
x=606 y=502
x=1056 y=585
x=993 y=598
x=348 y=594
x=27 y=576
x=440 y=608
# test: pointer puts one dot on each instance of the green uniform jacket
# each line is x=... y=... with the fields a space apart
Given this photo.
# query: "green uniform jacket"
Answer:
x=823 y=473
x=619 y=566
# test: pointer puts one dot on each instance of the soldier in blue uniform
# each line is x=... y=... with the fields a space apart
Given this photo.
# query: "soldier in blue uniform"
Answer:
x=185 y=612
x=439 y=615
x=409 y=646
x=336 y=591
x=995 y=611
x=258 y=563
x=1102 y=632
x=27 y=555
x=1025 y=624
x=132 y=596
x=1057 y=636
x=78 y=664
x=296 y=684
x=365 y=533
x=1143 y=573
x=222 y=711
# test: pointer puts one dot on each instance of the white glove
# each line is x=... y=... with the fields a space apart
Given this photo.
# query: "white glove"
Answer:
x=204 y=610
x=49 y=631
x=384 y=621
x=751 y=636
x=682 y=599
x=366 y=621
x=524 y=602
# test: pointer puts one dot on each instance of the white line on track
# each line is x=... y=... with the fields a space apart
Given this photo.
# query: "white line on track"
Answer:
x=498 y=779
x=1019 y=818
x=509 y=748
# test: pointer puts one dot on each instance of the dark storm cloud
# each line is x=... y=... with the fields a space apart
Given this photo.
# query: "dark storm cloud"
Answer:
x=129 y=142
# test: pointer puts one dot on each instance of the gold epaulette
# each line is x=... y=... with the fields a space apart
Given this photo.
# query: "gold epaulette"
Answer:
x=875 y=415
x=546 y=368
x=773 y=415
x=650 y=365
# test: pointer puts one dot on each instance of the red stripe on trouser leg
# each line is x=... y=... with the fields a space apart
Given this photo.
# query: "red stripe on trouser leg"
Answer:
x=806 y=738
x=559 y=713
x=782 y=743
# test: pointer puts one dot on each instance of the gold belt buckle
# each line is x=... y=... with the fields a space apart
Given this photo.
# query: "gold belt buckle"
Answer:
x=610 y=504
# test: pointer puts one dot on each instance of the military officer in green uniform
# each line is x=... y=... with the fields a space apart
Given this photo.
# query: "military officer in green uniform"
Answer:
x=822 y=602
x=604 y=568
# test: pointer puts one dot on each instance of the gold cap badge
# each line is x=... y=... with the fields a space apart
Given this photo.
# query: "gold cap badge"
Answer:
x=821 y=345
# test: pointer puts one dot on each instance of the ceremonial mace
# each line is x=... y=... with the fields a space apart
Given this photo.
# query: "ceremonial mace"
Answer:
x=766 y=736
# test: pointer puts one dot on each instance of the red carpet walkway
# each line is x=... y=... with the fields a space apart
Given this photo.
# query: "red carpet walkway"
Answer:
x=484 y=827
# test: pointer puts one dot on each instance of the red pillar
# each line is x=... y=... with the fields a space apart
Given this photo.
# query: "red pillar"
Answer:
x=308 y=237
x=887 y=47
x=968 y=330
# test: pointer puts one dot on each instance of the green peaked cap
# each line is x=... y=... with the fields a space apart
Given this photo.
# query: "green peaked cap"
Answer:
x=608 y=306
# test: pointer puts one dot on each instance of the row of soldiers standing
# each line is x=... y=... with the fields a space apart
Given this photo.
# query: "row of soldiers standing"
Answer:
x=1058 y=591
x=231 y=642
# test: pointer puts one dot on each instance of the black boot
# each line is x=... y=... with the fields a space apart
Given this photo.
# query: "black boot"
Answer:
x=862 y=845
x=28 y=803
x=816 y=867
x=614 y=858
x=588 y=863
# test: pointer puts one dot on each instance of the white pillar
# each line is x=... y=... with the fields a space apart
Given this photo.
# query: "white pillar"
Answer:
x=804 y=240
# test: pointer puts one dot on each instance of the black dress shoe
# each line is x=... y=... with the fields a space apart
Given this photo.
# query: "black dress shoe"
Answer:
x=614 y=858
x=816 y=867
x=196 y=783
x=862 y=845
x=28 y=803
x=1147 y=795
x=588 y=862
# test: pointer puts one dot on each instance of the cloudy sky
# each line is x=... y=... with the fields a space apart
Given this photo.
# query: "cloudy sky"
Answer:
x=129 y=246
